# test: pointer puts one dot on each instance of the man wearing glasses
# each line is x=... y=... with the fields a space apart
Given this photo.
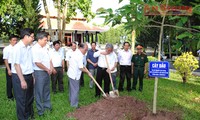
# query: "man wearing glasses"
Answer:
x=22 y=78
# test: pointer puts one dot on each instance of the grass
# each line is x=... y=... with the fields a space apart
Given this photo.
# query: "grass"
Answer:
x=172 y=96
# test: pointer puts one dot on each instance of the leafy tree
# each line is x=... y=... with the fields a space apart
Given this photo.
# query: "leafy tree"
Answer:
x=185 y=65
x=132 y=15
x=114 y=35
x=11 y=18
x=68 y=9
x=17 y=14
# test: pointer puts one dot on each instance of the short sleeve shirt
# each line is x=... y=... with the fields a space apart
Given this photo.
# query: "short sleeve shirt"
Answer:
x=75 y=63
x=40 y=55
x=139 y=60
x=57 y=57
x=22 y=55
x=7 y=53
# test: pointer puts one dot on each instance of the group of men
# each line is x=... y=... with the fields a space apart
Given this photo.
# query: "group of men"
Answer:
x=28 y=70
x=29 y=67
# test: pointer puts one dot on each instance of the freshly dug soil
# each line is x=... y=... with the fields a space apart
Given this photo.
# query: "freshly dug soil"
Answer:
x=121 y=108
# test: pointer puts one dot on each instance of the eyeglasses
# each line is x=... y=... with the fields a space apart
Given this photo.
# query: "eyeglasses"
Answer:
x=31 y=37
x=139 y=48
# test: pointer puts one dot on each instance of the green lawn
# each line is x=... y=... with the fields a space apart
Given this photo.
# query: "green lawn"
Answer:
x=172 y=96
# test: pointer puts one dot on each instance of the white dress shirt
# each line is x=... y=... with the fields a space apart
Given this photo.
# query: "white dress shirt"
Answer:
x=7 y=53
x=22 y=55
x=69 y=54
x=124 y=57
x=40 y=55
x=112 y=58
x=57 y=57
x=75 y=63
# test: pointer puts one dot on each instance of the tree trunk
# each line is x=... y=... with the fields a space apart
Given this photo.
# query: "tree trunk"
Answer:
x=170 y=51
x=48 y=18
x=63 y=23
x=184 y=77
x=59 y=20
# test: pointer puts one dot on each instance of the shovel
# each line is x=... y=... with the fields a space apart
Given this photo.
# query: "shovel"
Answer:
x=114 y=93
x=104 y=94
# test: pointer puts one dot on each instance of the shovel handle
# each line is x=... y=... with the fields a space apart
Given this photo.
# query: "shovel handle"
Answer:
x=111 y=81
x=96 y=83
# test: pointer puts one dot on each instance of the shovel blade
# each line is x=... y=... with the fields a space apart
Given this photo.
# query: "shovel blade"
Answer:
x=113 y=94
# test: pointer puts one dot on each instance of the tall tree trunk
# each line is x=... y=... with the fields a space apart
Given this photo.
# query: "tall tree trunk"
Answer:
x=48 y=18
x=59 y=20
x=63 y=23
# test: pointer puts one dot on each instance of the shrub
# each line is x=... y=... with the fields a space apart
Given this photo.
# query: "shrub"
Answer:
x=185 y=65
x=151 y=58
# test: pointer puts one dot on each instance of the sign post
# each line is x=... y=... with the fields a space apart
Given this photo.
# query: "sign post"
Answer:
x=158 y=69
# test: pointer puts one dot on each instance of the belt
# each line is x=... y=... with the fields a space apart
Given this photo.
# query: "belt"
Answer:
x=28 y=74
x=125 y=65
x=138 y=66
x=102 y=68
x=23 y=75
x=58 y=67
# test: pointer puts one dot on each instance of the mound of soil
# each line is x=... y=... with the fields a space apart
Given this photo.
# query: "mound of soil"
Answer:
x=121 y=108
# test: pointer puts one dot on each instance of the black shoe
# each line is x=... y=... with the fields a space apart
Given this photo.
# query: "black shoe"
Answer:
x=41 y=115
x=11 y=99
x=133 y=88
x=97 y=96
x=121 y=90
x=62 y=91
x=140 y=90
x=129 y=90
x=32 y=118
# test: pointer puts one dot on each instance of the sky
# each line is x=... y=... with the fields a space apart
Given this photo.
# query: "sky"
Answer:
x=114 y=4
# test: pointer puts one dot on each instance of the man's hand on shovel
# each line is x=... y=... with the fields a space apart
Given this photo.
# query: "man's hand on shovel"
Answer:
x=108 y=70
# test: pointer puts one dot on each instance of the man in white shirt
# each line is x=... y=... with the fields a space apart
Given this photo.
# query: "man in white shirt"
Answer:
x=76 y=67
x=102 y=67
x=7 y=56
x=43 y=68
x=57 y=58
x=22 y=78
x=113 y=68
x=124 y=58
x=70 y=53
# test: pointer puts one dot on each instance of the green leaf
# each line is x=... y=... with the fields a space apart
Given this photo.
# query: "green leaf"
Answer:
x=198 y=45
x=197 y=27
x=120 y=1
x=184 y=20
x=184 y=35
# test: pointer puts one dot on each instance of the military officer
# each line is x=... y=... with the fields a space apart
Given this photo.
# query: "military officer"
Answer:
x=139 y=63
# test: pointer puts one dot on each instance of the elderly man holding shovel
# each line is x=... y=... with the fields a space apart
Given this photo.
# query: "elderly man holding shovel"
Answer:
x=106 y=57
x=75 y=69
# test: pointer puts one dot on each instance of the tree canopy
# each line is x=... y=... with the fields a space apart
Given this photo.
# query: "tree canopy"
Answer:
x=17 y=14
x=184 y=31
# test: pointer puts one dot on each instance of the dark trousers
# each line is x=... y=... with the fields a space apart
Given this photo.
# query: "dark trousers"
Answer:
x=138 y=73
x=125 y=71
x=102 y=75
x=24 y=98
x=42 y=91
x=9 y=86
x=57 y=78
x=82 y=79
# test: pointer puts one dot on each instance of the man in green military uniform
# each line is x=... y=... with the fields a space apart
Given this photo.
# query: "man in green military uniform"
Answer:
x=139 y=65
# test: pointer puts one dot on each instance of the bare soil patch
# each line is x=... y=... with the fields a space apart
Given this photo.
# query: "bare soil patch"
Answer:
x=121 y=108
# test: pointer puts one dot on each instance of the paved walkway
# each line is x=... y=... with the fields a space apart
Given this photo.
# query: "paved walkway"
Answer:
x=196 y=72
